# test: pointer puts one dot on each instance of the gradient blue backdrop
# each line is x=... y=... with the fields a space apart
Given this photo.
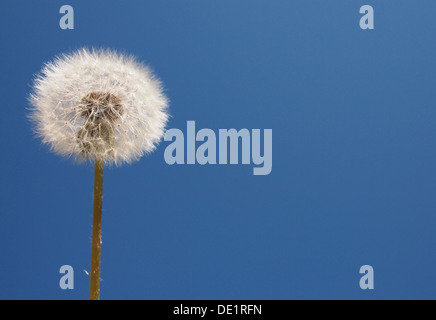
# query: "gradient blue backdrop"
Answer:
x=354 y=152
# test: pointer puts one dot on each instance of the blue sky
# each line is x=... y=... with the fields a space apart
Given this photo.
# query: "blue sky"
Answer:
x=354 y=146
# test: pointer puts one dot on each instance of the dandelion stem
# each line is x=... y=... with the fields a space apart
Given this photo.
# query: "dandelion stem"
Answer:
x=94 y=287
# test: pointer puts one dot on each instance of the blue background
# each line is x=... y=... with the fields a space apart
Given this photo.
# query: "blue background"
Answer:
x=354 y=152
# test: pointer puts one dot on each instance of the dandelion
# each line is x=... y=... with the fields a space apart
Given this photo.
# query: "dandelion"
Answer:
x=98 y=106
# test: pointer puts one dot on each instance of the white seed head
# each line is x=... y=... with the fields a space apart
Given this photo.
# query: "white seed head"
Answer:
x=98 y=104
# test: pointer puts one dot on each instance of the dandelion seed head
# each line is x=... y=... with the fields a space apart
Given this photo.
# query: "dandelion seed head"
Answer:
x=98 y=104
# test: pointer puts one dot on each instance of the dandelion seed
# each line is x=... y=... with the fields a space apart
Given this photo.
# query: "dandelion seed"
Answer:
x=113 y=105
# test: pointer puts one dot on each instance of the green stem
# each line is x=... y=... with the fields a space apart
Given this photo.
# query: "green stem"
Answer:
x=94 y=287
